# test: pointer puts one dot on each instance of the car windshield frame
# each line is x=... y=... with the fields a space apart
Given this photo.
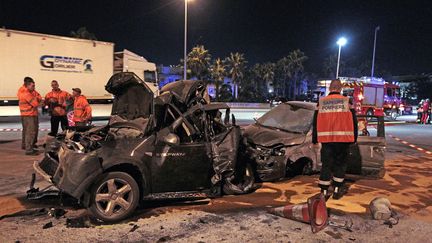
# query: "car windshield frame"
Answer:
x=280 y=118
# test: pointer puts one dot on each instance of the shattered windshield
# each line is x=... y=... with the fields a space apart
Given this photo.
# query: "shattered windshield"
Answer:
x=289 y=118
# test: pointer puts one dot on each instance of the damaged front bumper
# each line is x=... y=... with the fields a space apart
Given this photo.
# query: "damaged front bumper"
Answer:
x=270 y=162
x=73 y=172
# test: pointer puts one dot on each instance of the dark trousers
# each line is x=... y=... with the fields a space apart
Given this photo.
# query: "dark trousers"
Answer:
x=55 y=121
x=334 y=164
x=30 y=132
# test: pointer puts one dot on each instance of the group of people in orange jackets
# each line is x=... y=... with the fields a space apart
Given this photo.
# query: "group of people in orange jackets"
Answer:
x=56 y=102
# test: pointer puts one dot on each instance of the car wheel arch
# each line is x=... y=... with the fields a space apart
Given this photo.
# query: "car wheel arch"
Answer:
x=139 y=174
x=298 y=166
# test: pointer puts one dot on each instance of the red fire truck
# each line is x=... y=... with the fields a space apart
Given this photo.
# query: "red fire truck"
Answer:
x=367 y=94
x=393 y=104
x=371 y=96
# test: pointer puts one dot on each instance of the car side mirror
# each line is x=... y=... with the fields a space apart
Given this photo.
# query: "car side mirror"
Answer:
x=171 y=139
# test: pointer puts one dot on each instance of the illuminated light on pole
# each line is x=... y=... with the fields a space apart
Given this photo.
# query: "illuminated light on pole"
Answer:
x=341 y=42
x=185 y=39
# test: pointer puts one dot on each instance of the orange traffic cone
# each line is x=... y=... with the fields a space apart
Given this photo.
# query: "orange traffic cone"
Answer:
x=314 y=212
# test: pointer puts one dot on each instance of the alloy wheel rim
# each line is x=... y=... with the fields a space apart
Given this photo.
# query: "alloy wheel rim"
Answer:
x=113 y=197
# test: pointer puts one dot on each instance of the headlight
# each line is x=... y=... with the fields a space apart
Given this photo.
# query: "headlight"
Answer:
x=278 y=151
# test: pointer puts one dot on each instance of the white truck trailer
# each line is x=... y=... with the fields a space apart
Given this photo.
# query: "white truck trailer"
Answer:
x=86 y=64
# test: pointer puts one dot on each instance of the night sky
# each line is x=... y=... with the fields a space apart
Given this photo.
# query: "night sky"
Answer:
x=265 y=30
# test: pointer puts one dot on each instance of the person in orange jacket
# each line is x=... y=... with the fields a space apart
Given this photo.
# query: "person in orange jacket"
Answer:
x=82 y=109
x=55 y=101
x=29 y=100
x=335 y=127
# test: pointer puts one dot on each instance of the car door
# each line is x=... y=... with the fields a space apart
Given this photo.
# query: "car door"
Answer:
x=186 y=166
x=367 y=156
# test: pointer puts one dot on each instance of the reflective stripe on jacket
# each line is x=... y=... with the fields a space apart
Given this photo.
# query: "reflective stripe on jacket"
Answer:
x=28 y=102
x=82 y=109
x=335 y=120
x=57 y=101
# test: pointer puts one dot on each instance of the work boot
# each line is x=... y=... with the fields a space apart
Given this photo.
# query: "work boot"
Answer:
x=326 y=193
x=339 y=192
x=32 y=152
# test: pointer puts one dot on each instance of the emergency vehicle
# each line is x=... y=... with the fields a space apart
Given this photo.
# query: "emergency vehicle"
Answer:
x=393 y=104
x=367 y=94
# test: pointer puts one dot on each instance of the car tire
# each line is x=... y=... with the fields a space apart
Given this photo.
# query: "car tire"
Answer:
x=369 y=113
x=114 y=196
x=393 y=115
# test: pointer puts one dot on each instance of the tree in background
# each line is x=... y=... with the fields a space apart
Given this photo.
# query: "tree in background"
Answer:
x=83 y=33
x=329 y=66
x=217 y=73
x=282 y=74
x=236 y=64
x=225 y=93
x=198 y=62
x=296 y=60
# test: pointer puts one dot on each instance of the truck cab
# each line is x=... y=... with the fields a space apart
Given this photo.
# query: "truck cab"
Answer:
x=127 y=61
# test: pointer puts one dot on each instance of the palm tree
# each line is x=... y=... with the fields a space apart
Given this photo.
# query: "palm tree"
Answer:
x=198 y=62
x=296 y=59
x=217 y=72
x=235 y=64
x=329 y=66
x=83 y=33
x=282 y=75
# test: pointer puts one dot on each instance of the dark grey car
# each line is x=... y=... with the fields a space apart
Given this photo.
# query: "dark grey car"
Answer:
x=280 y=145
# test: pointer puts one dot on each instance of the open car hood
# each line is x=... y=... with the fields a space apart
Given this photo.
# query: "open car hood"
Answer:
x=132 y=97
x=268 y=137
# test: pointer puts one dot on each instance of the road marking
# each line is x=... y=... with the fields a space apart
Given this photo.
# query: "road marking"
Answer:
x=20 y=129
x=411 y=145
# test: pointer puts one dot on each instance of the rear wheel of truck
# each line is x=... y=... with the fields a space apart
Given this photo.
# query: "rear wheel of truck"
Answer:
x=114 y=196
x=394 y=115
x=369 y=112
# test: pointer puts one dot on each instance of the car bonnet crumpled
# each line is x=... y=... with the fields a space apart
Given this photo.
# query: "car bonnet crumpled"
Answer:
x=225 y=150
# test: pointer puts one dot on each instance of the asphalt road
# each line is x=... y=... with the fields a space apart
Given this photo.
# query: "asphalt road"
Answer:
x=241 y=218
x=417 y=134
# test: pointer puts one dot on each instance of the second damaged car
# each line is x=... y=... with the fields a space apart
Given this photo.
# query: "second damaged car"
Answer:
x=279 y=145
x=173 y=146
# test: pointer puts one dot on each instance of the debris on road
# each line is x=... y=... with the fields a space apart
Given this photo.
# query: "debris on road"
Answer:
x=134 y=227
x=380 y=208
x=341 y=222
x=56 y=212
x=47 y=225
x=79 y=222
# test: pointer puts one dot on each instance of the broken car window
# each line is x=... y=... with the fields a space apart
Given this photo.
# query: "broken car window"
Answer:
x=289 y=118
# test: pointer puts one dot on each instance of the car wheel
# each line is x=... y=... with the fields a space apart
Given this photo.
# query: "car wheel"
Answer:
x=393 y=115
x=114 y=196
x=369 y=113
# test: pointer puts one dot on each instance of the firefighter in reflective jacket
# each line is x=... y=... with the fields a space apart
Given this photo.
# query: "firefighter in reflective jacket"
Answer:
x=55 y=101
x=335 y=127
x=29 y=100
x=82 y=110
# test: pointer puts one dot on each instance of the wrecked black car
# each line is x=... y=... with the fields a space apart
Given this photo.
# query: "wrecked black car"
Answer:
x=176 y=145
x=279 y=145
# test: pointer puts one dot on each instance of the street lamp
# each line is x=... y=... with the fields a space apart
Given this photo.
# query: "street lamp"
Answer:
x=341 y=42
x=373 y=54
x=185 y=40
